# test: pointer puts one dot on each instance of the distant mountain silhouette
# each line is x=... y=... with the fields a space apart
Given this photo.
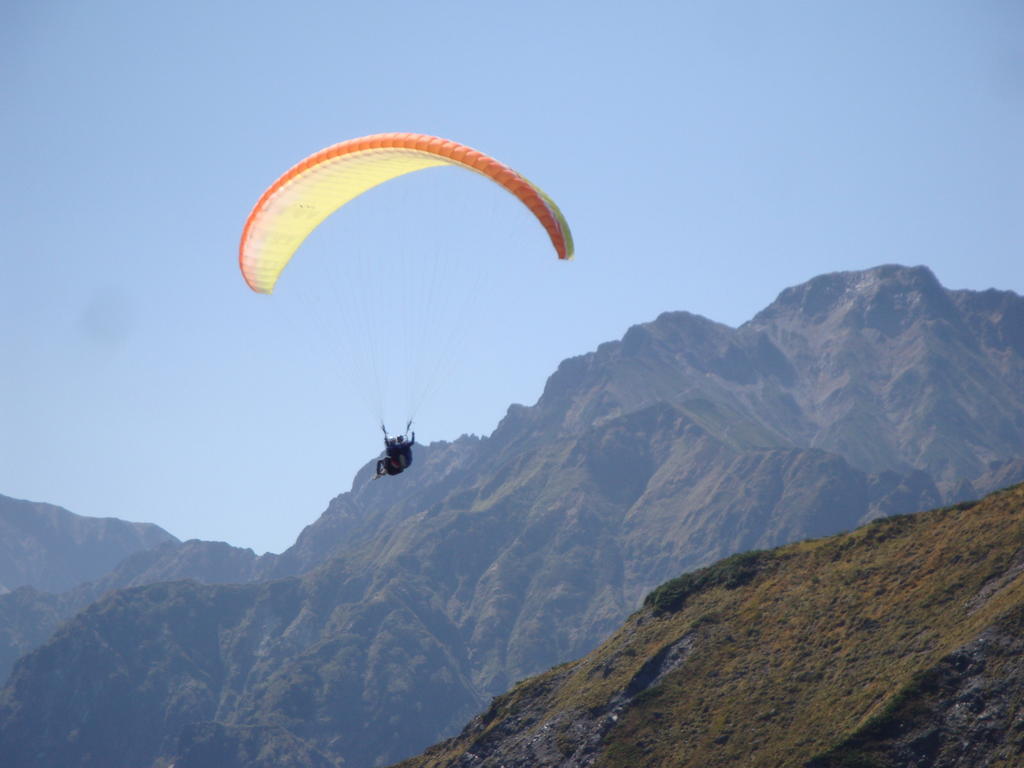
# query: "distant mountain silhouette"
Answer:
x=49 y=548
x=413 y=600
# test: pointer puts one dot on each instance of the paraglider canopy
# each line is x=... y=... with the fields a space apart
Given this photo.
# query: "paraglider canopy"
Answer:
x=294 y=205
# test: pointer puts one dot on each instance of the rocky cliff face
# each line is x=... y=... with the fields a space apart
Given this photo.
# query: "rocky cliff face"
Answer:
x=411 y=601
x=896 y=645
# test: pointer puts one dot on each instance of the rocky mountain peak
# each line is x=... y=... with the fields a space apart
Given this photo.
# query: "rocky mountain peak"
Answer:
x=888 y=299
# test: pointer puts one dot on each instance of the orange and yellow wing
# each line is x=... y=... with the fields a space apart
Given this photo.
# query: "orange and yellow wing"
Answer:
x=309 y=192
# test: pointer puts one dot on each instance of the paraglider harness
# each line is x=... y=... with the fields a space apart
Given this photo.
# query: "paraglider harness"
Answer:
x=397 y=453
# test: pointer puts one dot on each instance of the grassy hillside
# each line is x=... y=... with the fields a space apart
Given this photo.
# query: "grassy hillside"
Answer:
x=894 y=645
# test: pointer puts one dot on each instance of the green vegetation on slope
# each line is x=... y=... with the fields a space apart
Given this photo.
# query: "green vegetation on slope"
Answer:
x=731 y=573
x=837 y=652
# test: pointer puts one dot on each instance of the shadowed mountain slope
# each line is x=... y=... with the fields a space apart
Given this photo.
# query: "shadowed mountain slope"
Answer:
x=899 y=644
x=29 y=616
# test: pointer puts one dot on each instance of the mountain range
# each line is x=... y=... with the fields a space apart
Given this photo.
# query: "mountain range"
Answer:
x=399 y=613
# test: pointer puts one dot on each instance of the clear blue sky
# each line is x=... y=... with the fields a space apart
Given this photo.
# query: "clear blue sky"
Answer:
x=706 y=154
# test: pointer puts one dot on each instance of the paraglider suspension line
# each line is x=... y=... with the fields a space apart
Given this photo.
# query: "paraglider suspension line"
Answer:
x=408 y=426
